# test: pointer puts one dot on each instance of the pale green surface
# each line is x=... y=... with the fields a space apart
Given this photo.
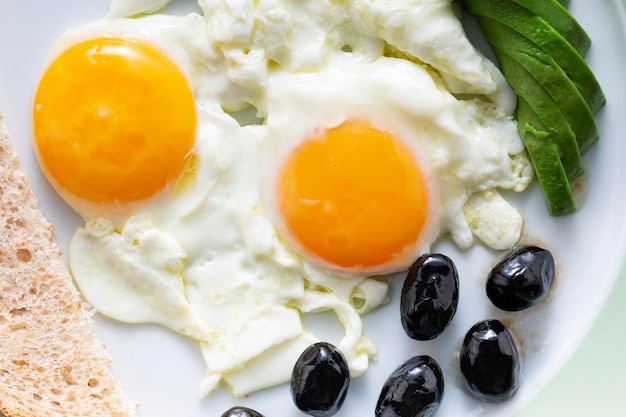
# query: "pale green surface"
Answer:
x=593 y=382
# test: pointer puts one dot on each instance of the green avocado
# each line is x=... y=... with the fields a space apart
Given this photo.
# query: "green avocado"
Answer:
x=560 y=19
x=544 y=155
x=549 y=75
x=540 y=49
x=547 y=111
x=538 y=31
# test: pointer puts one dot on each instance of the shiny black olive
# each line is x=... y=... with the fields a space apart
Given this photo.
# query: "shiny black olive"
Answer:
x=414 y=389
x=521 y=279
x=429 y=297
x=241 y=412
x=490 y=362
x=320 y=380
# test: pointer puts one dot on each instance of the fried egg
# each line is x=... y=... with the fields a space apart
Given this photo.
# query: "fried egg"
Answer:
x=227 y=231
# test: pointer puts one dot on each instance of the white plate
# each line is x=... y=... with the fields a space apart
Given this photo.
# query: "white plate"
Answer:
x=163 y=371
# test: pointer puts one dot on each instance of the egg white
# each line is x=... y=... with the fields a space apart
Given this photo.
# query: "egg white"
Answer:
x=210 y=258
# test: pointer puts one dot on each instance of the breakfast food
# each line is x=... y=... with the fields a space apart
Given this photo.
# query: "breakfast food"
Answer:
x=552 y=11
x=154 y=156
x=540 y=49
x=490 y=362
x=430 y=296
x=415 y=388
x=51 y=363
x=320 y=380
x=241 y=412
x=559 y=46
x=521 y=279
x=328 y=150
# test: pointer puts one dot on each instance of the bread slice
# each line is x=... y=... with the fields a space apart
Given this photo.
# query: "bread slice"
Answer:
x=51 y=362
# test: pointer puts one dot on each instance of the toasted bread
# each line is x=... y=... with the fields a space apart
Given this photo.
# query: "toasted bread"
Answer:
x=51 y=362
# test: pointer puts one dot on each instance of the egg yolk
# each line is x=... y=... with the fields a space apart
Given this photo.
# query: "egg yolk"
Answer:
x=354 y=196
x=114 y=120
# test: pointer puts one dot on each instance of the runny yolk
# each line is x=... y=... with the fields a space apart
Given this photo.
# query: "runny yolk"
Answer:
x=354 y=196
x=114 y=120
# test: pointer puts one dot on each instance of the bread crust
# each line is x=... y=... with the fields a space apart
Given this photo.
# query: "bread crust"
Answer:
x=51 y=362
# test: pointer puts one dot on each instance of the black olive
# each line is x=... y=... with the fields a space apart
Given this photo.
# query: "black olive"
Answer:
x=241 y=412
x=415 y=388
x=429 y=297
x=320 y=380
x=521 y=279
x=490 y=362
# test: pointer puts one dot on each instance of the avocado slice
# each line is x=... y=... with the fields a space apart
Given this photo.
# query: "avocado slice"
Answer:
x=549 y=76
x=544 y=155
x=547 y=111
x=538 y=31
x=560 y=19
